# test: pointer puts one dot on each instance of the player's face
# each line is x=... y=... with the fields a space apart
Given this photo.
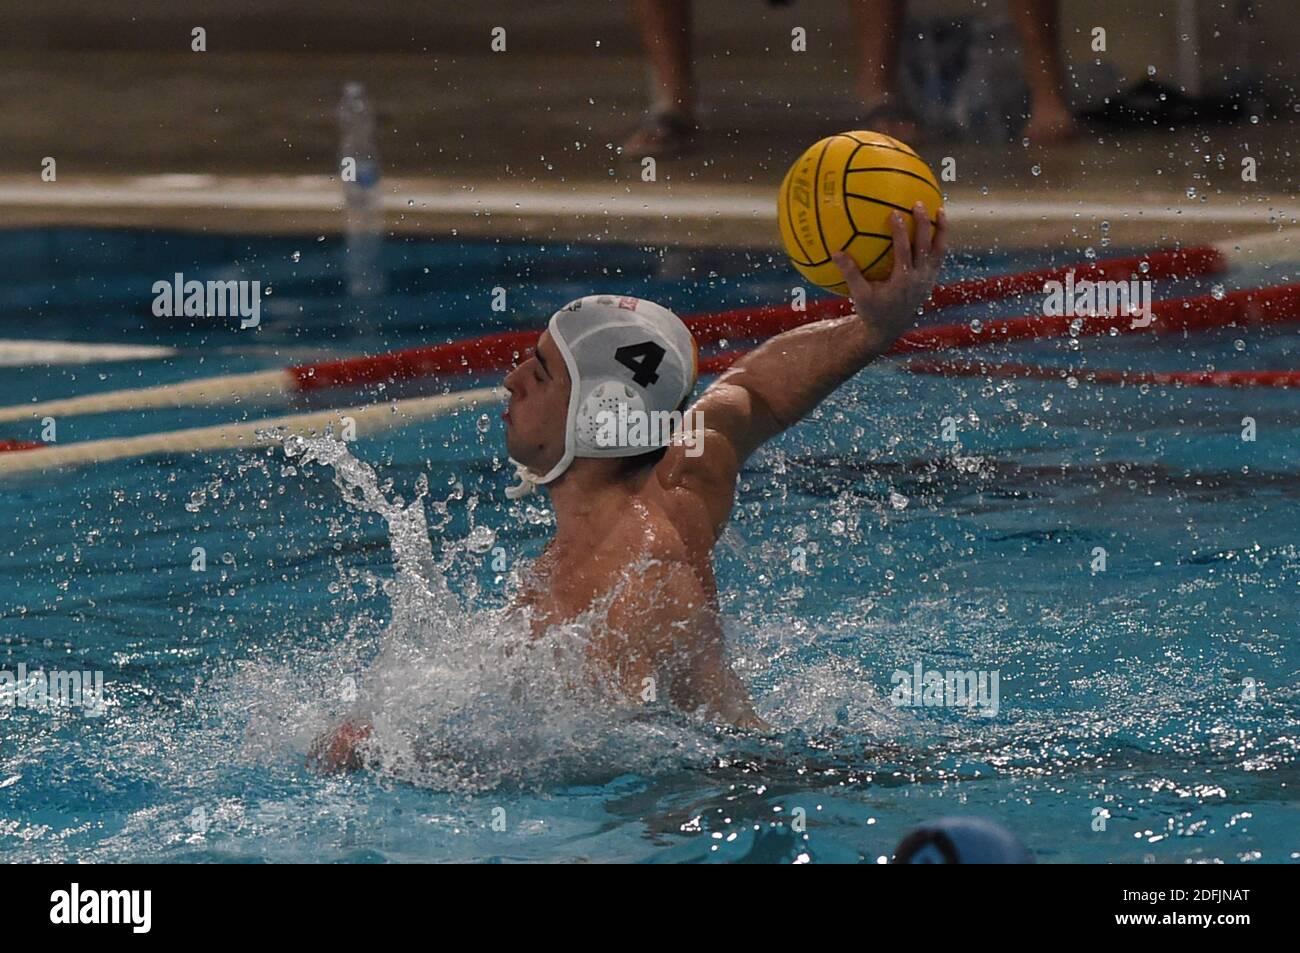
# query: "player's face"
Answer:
x=539 y=407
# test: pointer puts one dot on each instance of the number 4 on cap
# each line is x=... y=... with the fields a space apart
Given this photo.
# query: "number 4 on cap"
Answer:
x=642 y=360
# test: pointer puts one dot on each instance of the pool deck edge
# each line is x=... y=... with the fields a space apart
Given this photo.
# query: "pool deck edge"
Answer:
x=656 y=213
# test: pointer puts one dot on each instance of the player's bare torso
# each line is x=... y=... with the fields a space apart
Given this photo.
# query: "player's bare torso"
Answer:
x=662 y=524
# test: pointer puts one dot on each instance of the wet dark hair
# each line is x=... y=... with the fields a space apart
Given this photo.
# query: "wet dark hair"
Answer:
x=651 y=458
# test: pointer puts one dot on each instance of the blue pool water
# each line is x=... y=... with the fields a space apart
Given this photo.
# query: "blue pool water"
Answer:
x=1145 y=712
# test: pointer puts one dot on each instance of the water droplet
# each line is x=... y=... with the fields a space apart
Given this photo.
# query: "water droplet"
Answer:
x=1036 y=170
x=1217 y=292
x=480 y=539
x=1144 y=266
x=1239 y=344
x=977 y=326
x=296 y=256
x=897 y=500
x=1151 y=71
x=1191 y=191
x=484 y=422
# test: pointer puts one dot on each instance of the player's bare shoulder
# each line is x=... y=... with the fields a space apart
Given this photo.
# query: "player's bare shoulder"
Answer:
x=698 y=476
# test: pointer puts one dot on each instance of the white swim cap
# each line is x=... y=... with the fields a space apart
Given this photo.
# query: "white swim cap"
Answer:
x=619 y=351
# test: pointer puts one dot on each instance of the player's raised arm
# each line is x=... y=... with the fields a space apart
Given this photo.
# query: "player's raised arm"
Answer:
x=783 y=379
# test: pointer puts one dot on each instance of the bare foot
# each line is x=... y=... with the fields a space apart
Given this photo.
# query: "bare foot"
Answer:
x=890 y=118
x=1050 y=125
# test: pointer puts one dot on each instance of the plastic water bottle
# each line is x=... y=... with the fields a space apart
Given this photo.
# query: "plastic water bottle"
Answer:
x=359 y=167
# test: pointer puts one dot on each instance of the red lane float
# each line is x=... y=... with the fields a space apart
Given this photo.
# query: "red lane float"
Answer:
x=1195 y=262
x=1252 y=306
x=1106 y=376
x=1255 y=306
x=496 y=352
x=493 y=352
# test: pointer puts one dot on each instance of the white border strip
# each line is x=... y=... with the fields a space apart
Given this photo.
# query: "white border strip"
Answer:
x=307 y=194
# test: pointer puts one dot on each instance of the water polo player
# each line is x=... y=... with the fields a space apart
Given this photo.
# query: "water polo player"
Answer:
x=635 y=526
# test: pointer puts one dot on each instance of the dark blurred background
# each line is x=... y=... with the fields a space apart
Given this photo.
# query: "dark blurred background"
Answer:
x=113 y=87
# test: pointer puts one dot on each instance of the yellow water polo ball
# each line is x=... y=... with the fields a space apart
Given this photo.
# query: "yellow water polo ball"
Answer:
x=839 y=195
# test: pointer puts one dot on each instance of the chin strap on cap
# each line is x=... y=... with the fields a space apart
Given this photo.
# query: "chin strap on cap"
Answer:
x=528 y=482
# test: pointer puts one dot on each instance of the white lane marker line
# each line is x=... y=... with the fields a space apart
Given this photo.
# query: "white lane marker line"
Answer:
x=20 y=353
x=367 y=419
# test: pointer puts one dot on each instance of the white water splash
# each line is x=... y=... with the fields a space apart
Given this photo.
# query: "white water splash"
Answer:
x=460 y=696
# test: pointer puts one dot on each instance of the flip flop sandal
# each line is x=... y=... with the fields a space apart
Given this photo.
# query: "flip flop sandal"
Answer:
x=660 y=134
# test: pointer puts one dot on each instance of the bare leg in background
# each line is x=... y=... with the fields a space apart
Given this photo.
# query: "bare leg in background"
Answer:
x=878 y=25
x=1050 y=119
x=665 y=28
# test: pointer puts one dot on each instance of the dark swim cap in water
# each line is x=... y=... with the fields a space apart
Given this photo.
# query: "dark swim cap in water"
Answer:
x=961 y=840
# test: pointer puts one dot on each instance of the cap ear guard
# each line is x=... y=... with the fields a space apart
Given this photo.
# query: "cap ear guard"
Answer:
x=598 y=413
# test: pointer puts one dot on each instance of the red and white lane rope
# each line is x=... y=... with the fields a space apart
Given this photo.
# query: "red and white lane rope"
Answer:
x=1091 y=375
x=497 y=352
x=1253 y=307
